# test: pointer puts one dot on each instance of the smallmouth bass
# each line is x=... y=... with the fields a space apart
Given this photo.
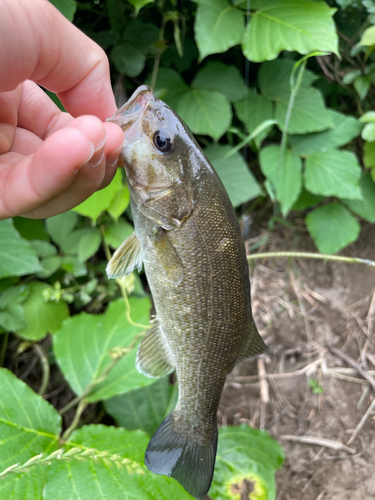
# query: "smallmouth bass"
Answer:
x=189 y=240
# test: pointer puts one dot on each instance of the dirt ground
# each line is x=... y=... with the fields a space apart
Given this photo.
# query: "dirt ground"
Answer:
x=305 y=309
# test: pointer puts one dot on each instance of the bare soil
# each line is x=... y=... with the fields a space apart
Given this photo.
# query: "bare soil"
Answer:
x=302 y=309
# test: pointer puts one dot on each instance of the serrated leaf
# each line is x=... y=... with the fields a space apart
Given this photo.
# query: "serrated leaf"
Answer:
x=120 y=203
x=101 y=200
x=218 y=26
x=60 y=226
x=297 y=25
x=345 y=128
x=89 y=245
x=246 y=455
x=170 y=87
x=82 y=349
x=102 y=480
x=333 y=173
x=66 y=7
x=41 y=317
x=274 y=78
x=17 y=257
x=254 y=110
x=128 y=60
x=224 y=79
x=28 y=426
x=285 y=174
x=365 y=208
x=205 y=112
x=143 y=408
x=332 y=227
x=309 y=113
x=239 y=182
x=115 y=234
x=31 y=229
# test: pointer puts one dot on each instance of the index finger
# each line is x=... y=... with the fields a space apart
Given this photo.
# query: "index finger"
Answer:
x=40 y=44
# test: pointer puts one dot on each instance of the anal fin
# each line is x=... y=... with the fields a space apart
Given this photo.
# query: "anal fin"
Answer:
x=253 y=344
x=126 y=258
x=154 y=358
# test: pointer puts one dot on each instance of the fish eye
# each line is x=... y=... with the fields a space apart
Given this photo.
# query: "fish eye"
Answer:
x=163 y=141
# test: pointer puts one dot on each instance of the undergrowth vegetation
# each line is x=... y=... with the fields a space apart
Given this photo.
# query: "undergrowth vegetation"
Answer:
x=280 y=95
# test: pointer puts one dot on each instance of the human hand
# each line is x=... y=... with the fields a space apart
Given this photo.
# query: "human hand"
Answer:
x=51 y=161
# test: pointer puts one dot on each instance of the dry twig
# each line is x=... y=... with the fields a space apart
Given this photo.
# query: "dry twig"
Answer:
x=327 y=443
x=362 y=422
x=353 y=364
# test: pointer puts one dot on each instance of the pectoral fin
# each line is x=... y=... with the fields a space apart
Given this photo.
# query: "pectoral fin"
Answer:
x=154 y=358
x=126 y=258
x=252 y=345
x=167 y=256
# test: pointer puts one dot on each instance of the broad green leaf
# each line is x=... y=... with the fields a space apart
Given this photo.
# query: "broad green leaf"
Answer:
x=365 y=207
x=246 y=455
x=138 y=4
x=344 y=129
x=89 y=245
x=239 y=182
x=218 y=26
x=306 y=200
x=369 y=154
x=274 y=78
x=102 y=479
x=170 y=87
x=60 y=226
x=368 y=37
x=333 y=173
x=14 y=295
x=309 y=113
x=50 y=265
x=48 y=258
x=120 y=203
x=43 y=248
x=143 y=408
x=284 y=172
x=82 y=348
x=224 y=79
x=128 y=60
x=297 y=25
x=368 y=117
x=101 y=200
x=332 y=227
x=205 y=112
x=254 y=110
x=115 y=234
x=28 y=426
x=17 y=257
x=368 y=132
x=66 y=7
x=73 y=265
x=362 y=85
x=71 y=244
x=12 y=318
x=141 y=36
x=41 y=317
x=30 y=229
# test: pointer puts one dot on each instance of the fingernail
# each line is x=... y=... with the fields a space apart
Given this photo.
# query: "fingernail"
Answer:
x=98 y=155
x=112 y=157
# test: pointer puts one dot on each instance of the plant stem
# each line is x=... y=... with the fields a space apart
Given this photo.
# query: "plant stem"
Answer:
x=81 y=407
x=308 y=255
x=4 y=348
x=155 y=69
x=45 y=367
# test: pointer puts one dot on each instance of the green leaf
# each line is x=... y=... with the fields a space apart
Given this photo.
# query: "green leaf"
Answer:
x=254 y=110
x=72 y=242
x=60 y=226
x=368 y=132
x=218 y=26
x=362 y=86
x=139 y=4
x=170 y=87
x=89 y=245
x=73 y=265
x=115 y=234
x=66 y=7
x=368 y=117
x=332 y=227
x=246 y=455
x=12 y=315
x=143 y=408
x=369 y=154
x=309 y=113
x=142 y=36
x=297 y=25
x=274 y=78
x=345 y=128
x=82 y=349
x=205 y=112
x=128 y=60
x=101 y=200
x=28 y=426
x=14 y=295
x=306 y=200
x=48 y=258
x=101 y=479
x=333 y=173
x=284 y=172
x=17 y=257
x=120 y=203
x=43 y=248
x=50 y=265
x=224 y=79
x=30 y=229
x=239 y=182
x=41 y=317
x=365 y=208
x=368 y=37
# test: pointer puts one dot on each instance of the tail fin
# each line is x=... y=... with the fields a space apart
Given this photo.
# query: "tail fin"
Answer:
x=174 y=455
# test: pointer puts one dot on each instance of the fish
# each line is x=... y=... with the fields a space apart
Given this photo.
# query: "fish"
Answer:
x=187 y=236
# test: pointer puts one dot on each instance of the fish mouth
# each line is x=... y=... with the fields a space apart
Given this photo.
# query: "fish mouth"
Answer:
x=133 y=109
